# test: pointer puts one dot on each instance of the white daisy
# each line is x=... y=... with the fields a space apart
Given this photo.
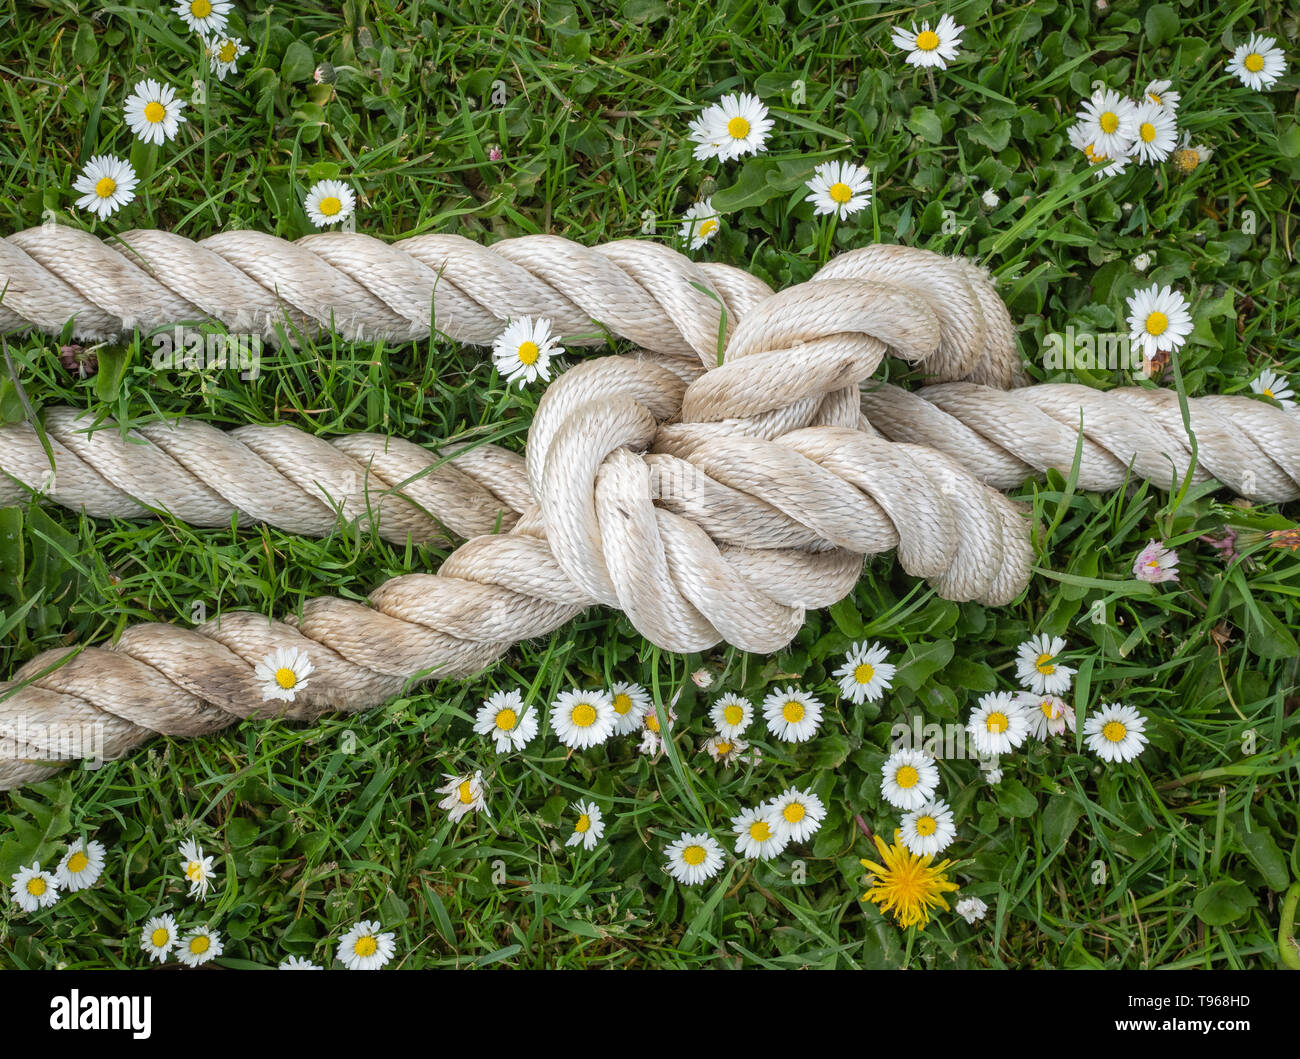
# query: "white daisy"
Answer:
x=153 y=112
x=798 y=814
x=223 y=55
x=524 y=349
x=841 y=188
x=930 y=47
x=971 y=909
x=582 y=719
x=1104 y=165
x=865 y=675
x=631 y=701
x=990 y=199
x=908 y=779
x=731 y=715
x=364 y=948
x=792 y=715
x=329 y=202
x=1275 y=386
x=590 y=825
x=700 y=223
x=159 y=937
x=997 y=724
x=1115 y=733
x=298 y=963
x=33 y=889
x=1157 y=133
x=1158 y=320
x=465 y=794
x=505 y=718
x=693 y=859
x=1109 y=122
x=1046 y=714
x=1188 y=157
x=1159 y=93
x=204 y=16
x=736 y=126
x=1037 y=668
x=993 y=776
x=1142 y=261
x=758 y=835
x=1258 y=63
x=196 y=868
x=283 y=673
x=929 y=830
x=106 y=185
x=724 y=750
x=81 y=865
x=199 y=946
x=652 y=736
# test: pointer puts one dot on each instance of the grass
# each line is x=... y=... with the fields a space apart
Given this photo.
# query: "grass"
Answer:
x=1179 y=860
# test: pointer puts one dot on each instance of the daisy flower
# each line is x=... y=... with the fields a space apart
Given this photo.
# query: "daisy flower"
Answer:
x=930 y=47
x=1142 y=261
x=298 y=963
x=971 y=909
x=1156 y=563
x=908 y=779
x=1104 y=164
x=792 y=715
x=1158 y=320
x=364 y=948
x=1115 y=733
x=724 y=750
x=798 y=814
x=631 y=703
x=1157 y=133
x=465 y=794
x=505 y=719
x=590 y=826
x=731 y=714
x=283 y=673
x=196 y=868
x=1109 y=122
x=997 y=724
x=583 y=719
x=1258 y=63
x=1158 y=92
x=153 y=112
x=199 y=946
x=204 y=16
x=1046 y=714
x=693 y=859
x=329 y=202
x=734 y=127
x=1037 y=668
x=524 y=349
x=159 y=937
x=929 y=830
x=652 y=738
x=990 y=199
x=1278 y=387
x=906 y=886
x=223 y=54
x=81 y=866
x=106 y=185
x=700 y=223
x=865 y=675
x=758 y=835
x=33 y=889
x=841 y=188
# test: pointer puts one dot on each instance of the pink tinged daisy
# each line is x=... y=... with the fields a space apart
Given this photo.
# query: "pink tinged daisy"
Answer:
x=510 y=724
x=693 y=859
x=33 y=889
x=1037 y=667
x=159 y=938
x=758 y=835
x=464 y=795
x=1258 y=63
x=700 y=223
x=865 y=675
x=1158 y=320
x=1160 y=93
x=523 y=351
x=106 y=185
x=298 y=963
x=631 y=704
x=1157 y=133
x=1155 y=563
x=997 y=724
x=329 y=202
x=153 y=112
x=1047 y=714
x=582 y=719
x=725 y=751
x=908 y=779
x=736 y=126
x=731 y=715
x=792 y=716
x=1115 y=733
x=364 y=948
x=929 y=830
x=199 y=946
x=930 y=47
x=798 y=814
x=1109 y=122
x=206 y=17
x=1275 y=387
x=284 y=673
x=81 y=865
x=588 y=828
x=841 y=188
x=971 y=909
x=196 y=868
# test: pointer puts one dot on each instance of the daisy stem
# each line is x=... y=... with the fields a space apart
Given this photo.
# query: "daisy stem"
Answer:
x=934 y=92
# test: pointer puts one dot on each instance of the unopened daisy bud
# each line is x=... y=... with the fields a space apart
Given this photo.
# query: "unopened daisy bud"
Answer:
x=971 y=909
x=1142 y=262
x=990 y=199
x=325 y=74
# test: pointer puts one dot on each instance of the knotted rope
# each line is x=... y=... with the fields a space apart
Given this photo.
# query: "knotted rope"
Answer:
x=708 y=502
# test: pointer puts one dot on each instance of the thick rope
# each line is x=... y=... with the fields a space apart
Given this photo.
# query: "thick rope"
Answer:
x=707 y=505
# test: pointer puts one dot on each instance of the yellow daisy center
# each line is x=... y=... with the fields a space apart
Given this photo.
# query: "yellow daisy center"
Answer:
x=286 y=677
x=330 y=205
x=200 y=8
x=583 y=715
x=907 y=777
x=365 y=946
x=622 y=703
x=1049 y=709
x=1267 y=392
x=733 y=715
x=864 y=673
x=507 y=719
x=738 y=128
x=1114 y=731
x=652 y=722
x=1094 y=155
x=793 y=813
x=1254 y=62
x=36 y=886
x=1147 y=131
x=194 y=871
x=159 y=938
x=226 y=53
x=200 y=944
x=840 y=192
x=722 y=748
x=1157 y=323
x=1109 y=122
x=996 y=722
x=693 y=855
x=1044 y=665
x=583 y=825
x=792 y=711
x=708 y=227
x=925 y=825
x=77 y=862
x=760 y=831
x=927 y=40
x=154 y=112
x=1155 y=98
x=465 y=793
x=106 y=186
x=529 y=352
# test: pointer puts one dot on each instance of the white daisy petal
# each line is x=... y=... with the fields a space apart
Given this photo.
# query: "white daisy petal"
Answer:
x=736 y=126
x=792 y=716
x=759 y=835
x=158 y=938
x=582 y=719
x=153 y=112
x=589 y=827
x=199 y=946
x=204 y=16
x=464 y=795
x=106 y=185
x=908 y=779
x=1258 y=63
x=1159 y=320
x=81 y=865
x=693 y=859
x=997 y=724
x=798 y=814
x=33 y=889
x=364 y=948
x=329 y=202
x=523 y=351
x=865 y=675
x=1037 y=666
x=928 y=830
x=631 y=704
x=928 y=47
x=841 y=188
x=507 y=721
x=283 y=673
x=1115 y=733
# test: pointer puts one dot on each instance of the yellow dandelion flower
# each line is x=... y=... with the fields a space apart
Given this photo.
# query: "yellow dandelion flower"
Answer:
x=905 y=885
